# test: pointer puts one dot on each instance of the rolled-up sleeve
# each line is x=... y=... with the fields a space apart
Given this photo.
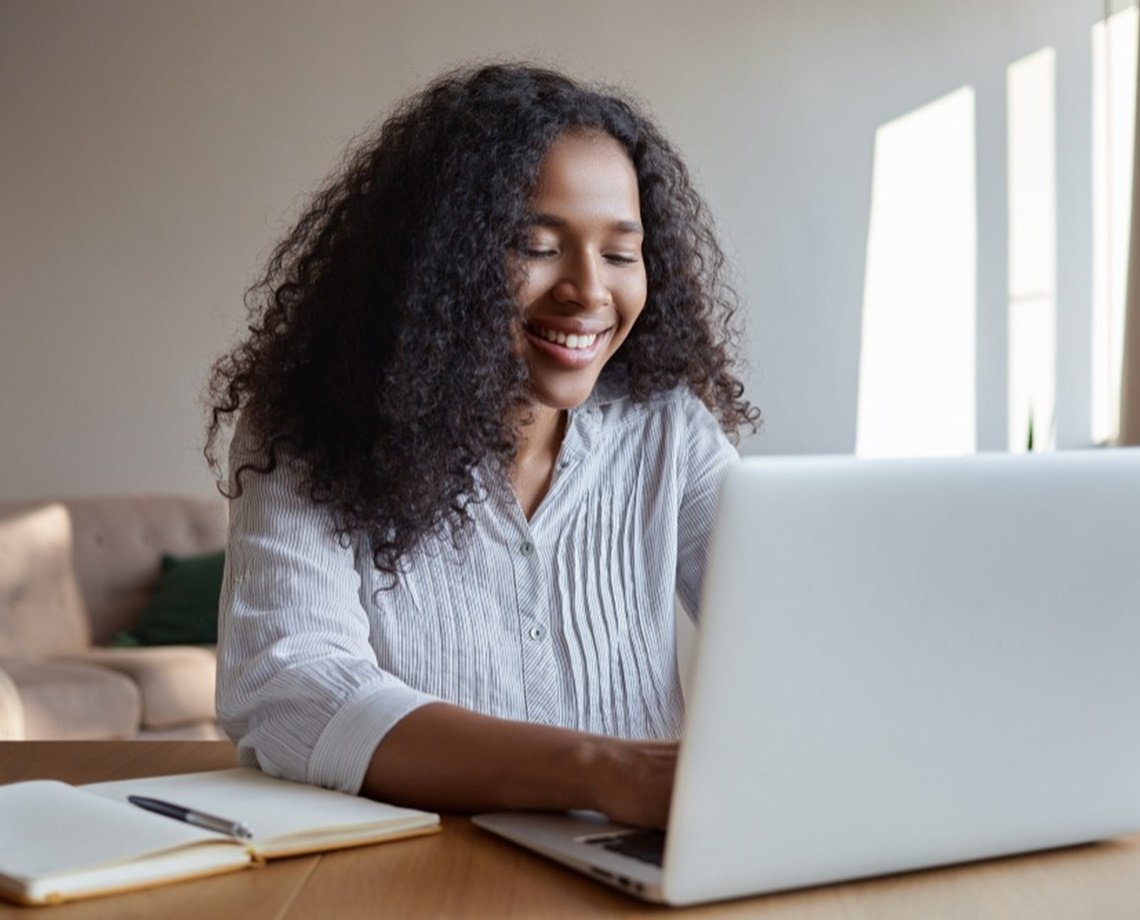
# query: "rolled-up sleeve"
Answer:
x=299 y=689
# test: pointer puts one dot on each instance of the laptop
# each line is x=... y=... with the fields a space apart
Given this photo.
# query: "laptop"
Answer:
x=900 y=664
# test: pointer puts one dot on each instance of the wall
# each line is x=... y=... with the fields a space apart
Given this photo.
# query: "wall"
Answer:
x=151 y=153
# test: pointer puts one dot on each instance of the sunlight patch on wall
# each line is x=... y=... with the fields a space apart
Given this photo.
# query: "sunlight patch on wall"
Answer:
x=917 y=361
x=1114 y=80
x=1032 y=177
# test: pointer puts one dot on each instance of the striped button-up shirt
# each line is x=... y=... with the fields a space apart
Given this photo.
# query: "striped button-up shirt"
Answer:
x=565 y=619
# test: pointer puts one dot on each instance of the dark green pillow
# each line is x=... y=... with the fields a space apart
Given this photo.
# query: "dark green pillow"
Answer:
x=183 y=610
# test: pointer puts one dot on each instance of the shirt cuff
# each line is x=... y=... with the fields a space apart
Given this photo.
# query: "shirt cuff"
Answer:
x=345 y=748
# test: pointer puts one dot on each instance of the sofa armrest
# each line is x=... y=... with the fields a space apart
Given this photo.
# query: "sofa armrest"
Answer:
x=11 y=710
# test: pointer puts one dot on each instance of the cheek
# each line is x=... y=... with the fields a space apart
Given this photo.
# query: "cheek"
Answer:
x=522 y=281
x=631 y=299
x=530 y=287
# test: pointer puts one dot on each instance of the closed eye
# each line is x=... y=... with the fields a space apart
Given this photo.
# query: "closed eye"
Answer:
x=621 y=259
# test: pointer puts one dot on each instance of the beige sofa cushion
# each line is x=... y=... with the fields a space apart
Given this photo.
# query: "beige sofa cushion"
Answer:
x=70 y=700
x=176 y=682
x=119 y=541
x=41 y=611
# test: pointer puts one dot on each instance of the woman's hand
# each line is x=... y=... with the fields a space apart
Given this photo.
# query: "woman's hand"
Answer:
x=632 y=781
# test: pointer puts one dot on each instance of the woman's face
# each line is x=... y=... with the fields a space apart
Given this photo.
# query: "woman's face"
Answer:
x=582 y=280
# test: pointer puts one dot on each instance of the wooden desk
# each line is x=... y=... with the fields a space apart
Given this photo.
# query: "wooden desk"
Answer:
x=465 y=873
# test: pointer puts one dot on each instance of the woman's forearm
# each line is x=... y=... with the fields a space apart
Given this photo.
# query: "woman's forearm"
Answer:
x=446 y=758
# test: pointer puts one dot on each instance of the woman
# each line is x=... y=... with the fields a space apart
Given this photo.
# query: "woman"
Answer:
x=483 y=406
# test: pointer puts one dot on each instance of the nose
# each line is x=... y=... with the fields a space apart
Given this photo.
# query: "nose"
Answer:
x=583 y=283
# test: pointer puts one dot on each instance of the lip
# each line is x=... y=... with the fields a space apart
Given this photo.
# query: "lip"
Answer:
x=571 y=358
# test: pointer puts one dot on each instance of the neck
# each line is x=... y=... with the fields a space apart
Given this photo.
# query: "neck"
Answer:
x=540 y=435
x=540 y=439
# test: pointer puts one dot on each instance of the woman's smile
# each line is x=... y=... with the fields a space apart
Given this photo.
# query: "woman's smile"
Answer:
x=573 y=345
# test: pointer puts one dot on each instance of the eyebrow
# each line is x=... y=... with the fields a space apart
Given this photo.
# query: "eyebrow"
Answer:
x=551 y=220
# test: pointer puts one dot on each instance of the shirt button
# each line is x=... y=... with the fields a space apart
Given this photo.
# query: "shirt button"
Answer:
x=526 y=548
x=537 y=633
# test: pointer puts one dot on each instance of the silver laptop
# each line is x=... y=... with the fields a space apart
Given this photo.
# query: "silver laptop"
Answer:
x=901 y=664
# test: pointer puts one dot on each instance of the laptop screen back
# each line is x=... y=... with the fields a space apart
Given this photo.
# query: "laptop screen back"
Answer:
x=908 y=663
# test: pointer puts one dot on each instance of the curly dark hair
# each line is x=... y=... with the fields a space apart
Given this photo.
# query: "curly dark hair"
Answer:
x=380 y=349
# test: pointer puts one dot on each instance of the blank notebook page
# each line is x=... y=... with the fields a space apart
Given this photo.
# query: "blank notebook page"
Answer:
x=48 y=827
x=272 y=808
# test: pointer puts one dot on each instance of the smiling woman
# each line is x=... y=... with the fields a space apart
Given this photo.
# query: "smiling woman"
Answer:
x=481 y=425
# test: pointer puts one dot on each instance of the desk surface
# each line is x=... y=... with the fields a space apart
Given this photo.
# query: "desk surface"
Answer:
x=465 y=873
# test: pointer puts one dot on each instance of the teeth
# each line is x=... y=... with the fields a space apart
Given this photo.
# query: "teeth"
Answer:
x=576 y=342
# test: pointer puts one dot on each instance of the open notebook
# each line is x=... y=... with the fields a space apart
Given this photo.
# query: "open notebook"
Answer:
x=60 y=842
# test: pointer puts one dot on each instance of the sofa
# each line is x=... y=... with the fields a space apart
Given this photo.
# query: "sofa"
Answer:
x=75 y=573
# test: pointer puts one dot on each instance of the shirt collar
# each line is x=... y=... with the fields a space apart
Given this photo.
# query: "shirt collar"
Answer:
x=585 y=421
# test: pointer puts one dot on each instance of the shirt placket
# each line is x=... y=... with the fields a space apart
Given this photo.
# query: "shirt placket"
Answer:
x=540 y=676
x=532 y=566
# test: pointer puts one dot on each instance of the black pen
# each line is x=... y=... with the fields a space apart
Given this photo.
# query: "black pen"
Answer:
x=190 y=816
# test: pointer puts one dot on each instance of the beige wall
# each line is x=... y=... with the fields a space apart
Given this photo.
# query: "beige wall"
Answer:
x=151 y=151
